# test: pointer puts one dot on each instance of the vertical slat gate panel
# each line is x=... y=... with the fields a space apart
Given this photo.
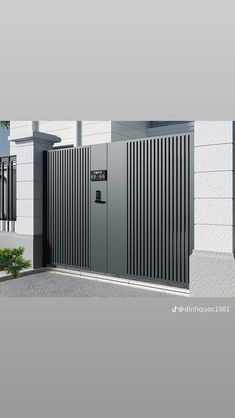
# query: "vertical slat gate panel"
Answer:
x=159 y=207
x=68 y=207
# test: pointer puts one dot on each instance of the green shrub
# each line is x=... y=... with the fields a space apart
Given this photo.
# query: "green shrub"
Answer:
x=12 y=261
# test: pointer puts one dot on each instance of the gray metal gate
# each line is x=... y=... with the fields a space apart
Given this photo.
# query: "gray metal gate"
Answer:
x=68 y=207
x=123 y=208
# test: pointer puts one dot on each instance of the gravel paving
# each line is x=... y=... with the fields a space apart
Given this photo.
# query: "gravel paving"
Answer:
x=53 y=284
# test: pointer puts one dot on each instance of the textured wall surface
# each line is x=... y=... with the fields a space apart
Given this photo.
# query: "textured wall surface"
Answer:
x=214 y=200
x=66 y=130
x=96 y=132
x=92 y=132
x=212 y=274
x=212 y=264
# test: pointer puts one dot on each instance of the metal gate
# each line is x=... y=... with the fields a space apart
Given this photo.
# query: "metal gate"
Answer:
x=68 y=207
x=123 y=208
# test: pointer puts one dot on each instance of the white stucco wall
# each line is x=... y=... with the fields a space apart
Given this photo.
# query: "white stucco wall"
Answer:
x=90 y=132
x=96 y=132
x=66 y=130
x=19 y=129
x=214 y=150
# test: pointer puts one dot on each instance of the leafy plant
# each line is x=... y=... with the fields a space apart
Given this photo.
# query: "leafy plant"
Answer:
x=5 y=123
x=12 y=261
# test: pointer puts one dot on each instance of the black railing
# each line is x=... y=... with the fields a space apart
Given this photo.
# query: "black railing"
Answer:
x=8 y=188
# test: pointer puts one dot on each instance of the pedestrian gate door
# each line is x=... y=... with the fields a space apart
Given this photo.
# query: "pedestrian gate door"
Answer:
x=124 y=208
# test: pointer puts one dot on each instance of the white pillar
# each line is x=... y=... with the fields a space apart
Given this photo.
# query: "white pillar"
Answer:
x=214 y=223
x=212 y=264
x=29 y=184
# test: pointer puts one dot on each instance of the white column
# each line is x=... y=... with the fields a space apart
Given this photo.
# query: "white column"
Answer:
x=29 y=180
x=212 y=264
x=214 y=199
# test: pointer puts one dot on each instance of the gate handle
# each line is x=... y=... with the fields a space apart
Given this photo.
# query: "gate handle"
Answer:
x=98 y=197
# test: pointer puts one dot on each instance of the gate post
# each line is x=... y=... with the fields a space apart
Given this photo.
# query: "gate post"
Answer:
x=29 y=192
x=212 y=264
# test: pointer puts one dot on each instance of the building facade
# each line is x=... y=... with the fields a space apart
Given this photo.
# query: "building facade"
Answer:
x=212 y=264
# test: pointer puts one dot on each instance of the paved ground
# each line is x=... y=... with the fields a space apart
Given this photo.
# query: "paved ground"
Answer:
x=54 y=284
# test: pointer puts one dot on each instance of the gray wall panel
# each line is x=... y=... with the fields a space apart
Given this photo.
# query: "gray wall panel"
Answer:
x=99 y=211
x=117 y=208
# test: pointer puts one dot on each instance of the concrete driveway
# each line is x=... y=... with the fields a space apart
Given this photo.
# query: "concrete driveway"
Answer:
x=55 y=284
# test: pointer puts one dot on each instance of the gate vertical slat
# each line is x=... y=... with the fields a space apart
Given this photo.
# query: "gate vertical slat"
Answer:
x=154 y=208
x=160 y=226
x=59 y=204
x=142 y=252
x=128 y=210
x=187 y=203
x=138 y=179
x=179 y=208
x=156 y=204
x=73 y=208
x=135 y=207
x=182 y=208
x=132 y=208
x=167 y=142
x=175 y=208
x=53 y=205
x=170 y=209
x=148 y=210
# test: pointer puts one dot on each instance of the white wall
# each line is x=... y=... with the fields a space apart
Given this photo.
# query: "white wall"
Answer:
x=92 y=132
x=66 y=130
x=19 y=129
x=214 y=200
x=4 y=144
x=96 y=132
